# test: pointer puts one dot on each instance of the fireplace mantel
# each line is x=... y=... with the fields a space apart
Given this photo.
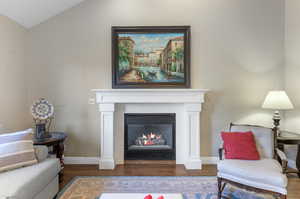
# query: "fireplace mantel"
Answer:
x=149 y=95
x=190 y=99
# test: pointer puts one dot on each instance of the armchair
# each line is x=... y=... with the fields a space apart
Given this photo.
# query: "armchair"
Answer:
x=266 y=175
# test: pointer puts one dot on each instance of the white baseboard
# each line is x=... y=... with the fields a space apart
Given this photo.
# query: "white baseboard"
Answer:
x=95 y=160
x=81 y=160
x=210 y=160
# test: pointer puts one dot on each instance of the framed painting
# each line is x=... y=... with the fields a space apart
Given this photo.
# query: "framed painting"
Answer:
x=151 y=57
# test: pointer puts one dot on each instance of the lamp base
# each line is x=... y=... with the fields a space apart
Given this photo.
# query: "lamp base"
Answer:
x=276 y=122
x=40 y=132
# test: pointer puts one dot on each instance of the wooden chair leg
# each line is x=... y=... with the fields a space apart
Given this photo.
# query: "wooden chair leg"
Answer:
x=223 y=182
x=219 y=188
x=283 y=197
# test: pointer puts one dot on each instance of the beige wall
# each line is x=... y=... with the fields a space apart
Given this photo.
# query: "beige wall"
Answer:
x=237 y=52
x=292 y=70
x=14 y=110
x=292 y=66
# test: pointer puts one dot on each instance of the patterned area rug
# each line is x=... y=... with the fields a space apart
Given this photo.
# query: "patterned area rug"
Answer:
x=191 y=187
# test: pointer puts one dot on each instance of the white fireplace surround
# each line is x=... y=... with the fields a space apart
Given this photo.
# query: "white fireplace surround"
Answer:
x=185 y=103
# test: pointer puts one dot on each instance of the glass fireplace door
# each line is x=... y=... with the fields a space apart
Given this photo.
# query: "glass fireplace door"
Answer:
x=150 y=136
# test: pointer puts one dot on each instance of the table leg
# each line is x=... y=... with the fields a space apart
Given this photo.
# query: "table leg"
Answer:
x=59 y=154
x=298 y=161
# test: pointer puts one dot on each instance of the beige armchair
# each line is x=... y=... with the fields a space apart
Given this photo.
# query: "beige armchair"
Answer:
x=266 y=175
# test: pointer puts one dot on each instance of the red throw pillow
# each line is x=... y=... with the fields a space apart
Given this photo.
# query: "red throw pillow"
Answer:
x=149 y=196
x=240 y=145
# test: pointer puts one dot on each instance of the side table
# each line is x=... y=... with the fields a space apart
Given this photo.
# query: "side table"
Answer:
x=57 y=142
x=291 y=139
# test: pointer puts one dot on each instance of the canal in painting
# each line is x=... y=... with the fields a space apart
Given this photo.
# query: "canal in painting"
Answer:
x=156 y=74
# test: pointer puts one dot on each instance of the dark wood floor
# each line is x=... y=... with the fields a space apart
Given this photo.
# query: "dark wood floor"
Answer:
x=71 y=171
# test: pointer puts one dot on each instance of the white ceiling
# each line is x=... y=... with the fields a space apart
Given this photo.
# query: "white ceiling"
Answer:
x=32 y=12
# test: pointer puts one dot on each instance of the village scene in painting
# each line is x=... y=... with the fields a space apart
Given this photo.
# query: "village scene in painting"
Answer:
x=151 y=58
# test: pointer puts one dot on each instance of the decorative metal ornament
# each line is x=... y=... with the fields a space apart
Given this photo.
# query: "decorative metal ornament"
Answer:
x=42 y=112
x=42 y=109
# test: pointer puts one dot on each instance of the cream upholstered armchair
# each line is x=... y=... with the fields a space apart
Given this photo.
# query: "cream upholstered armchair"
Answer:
x=266 y=175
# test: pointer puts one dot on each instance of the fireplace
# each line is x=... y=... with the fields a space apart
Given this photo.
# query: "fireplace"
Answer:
x=149 y=137
x=113 y=104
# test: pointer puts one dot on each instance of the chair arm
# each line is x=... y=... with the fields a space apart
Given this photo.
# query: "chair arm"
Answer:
x=221 y=153
x=283 y=159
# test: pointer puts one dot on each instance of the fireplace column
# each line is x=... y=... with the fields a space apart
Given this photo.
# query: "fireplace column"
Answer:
x=192 y=120
x=107 y=136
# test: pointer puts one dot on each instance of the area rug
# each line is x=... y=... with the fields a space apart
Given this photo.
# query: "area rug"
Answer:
x=191 y=187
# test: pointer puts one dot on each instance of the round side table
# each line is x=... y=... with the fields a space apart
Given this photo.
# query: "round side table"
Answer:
x=56 y=141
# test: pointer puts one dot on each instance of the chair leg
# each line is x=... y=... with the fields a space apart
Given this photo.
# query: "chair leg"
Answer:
x=283 y=197
x=219 y=188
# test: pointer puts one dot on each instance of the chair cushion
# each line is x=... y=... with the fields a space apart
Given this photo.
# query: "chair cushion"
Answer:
x=27 y=182
x=16 y=150
x=239 y=145
x=266 y=171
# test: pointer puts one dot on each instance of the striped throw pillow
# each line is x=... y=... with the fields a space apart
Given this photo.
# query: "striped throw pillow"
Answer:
x=16 y=150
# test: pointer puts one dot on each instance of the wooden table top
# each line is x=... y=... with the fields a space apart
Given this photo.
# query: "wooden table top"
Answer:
x=55 y=137
x=287 y=137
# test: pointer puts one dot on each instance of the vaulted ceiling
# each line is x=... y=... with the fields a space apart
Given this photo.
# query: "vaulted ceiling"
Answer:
x=29 y=13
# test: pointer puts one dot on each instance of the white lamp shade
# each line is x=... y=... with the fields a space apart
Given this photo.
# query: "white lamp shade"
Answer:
x=277 y=100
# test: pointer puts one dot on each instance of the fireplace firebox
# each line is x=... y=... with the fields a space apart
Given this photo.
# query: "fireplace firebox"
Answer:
x=150 y=137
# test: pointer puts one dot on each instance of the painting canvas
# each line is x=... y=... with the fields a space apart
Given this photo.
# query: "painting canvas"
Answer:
x=150 y=57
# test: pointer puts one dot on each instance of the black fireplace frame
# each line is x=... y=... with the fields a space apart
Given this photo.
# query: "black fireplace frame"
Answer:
x=164 y=154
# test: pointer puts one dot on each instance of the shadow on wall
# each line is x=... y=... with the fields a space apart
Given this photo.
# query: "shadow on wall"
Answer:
x=207 y=134
x=216 y=106
x=257 y=117
x=292 y=120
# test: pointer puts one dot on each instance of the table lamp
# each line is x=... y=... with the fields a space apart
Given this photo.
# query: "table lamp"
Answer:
x=277 y=100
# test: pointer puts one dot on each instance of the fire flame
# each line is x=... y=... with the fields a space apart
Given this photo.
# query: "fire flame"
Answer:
x=148 y=139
